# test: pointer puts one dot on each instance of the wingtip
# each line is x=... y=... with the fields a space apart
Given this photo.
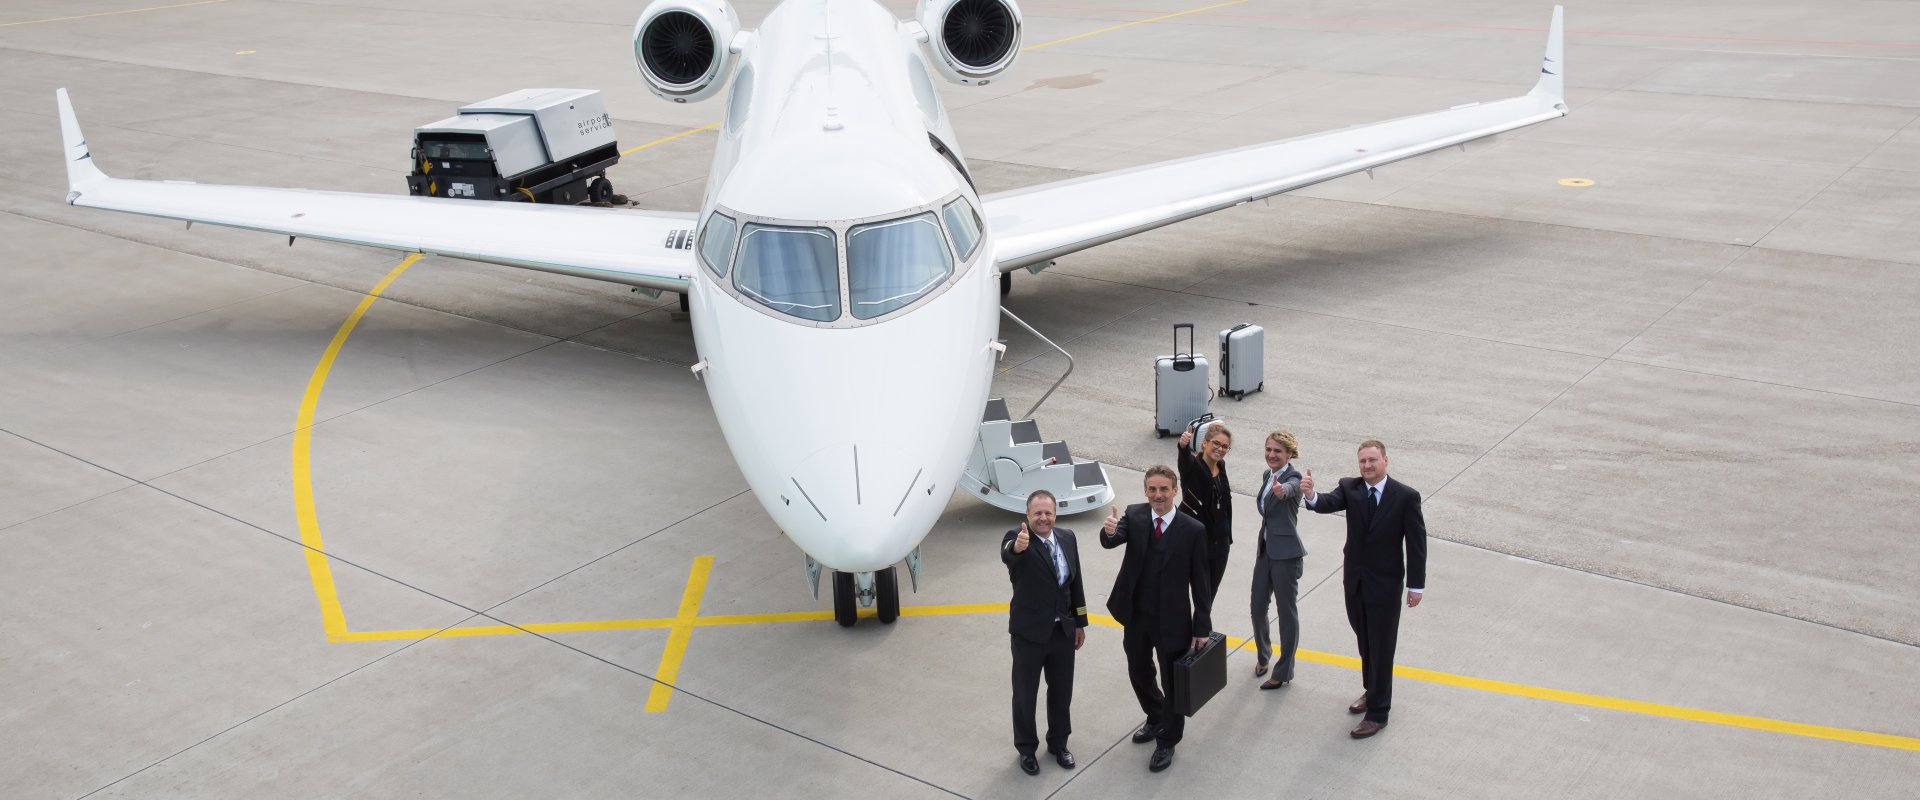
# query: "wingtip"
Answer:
x=81 y=170
x=1553 y=65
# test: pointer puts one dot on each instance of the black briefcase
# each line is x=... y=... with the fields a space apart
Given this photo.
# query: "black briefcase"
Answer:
x=1199 y=675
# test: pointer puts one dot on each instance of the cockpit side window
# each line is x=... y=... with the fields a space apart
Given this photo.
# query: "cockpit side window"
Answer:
x=716 y=242
x=790 y=270
x=890 y=264
x=964 y=223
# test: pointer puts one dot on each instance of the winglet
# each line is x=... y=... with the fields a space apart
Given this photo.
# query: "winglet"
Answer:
x=81 y=171
x=1553 y=65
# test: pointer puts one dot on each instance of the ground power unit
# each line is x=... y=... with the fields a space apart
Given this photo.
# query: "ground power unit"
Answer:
x=534 y=145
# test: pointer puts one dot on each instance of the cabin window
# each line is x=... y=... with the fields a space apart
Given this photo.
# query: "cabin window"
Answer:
x=964 y=224
x=890 y=264
x=716 y=243
x=790 y=270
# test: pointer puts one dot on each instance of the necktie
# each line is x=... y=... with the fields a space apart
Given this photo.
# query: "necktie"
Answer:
x=1046 y=548
x=1157 y=524
x=1373 y=494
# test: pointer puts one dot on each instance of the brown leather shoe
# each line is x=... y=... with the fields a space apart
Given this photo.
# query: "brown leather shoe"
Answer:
x=1359 y=706
x=1367 y=728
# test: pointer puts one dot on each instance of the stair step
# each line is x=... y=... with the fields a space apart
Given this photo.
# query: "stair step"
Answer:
x=996 y=411
x=1088 y=475
x=1056 y=452
x=1026 y=431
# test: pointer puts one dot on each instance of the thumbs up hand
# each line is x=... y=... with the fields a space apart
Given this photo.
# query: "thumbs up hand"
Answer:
x=1020 y=541
x=1113 y=520
x=1306 y=483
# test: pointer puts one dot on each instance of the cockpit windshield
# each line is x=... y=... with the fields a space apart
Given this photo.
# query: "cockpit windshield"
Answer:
x=890 y=264
x=791 y=270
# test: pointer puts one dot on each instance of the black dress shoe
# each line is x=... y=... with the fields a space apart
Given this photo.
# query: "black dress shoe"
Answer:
x=1162 y=758
x=1063 y=757
x=1030 y=765
x=1147 y=733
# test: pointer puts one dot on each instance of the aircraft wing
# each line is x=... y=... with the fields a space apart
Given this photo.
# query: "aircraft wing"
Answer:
x=650 y=249
x=1040 y=223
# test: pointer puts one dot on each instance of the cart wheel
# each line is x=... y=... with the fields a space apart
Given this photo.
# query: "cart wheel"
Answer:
x=600 y=191
x=1159 y=434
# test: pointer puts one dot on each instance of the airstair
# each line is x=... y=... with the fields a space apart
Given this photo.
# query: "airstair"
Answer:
x=1010 y=460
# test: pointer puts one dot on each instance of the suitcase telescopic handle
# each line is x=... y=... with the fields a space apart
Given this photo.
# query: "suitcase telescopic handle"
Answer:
x=1177 y=352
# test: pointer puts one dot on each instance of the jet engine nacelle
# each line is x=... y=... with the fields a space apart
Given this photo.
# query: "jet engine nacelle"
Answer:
x=972 y=40
x=684 y=47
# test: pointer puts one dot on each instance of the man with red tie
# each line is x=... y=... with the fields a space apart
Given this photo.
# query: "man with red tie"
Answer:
x=1164 y=568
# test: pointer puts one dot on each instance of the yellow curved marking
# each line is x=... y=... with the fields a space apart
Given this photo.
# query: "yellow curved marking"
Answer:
x=332 y=619
x=1131 y=24
x=1577 y=182
x=109 y=13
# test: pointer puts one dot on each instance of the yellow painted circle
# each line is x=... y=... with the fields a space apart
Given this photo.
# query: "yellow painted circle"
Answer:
x=1576 y=181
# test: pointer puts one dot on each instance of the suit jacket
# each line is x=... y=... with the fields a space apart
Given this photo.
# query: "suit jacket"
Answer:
x=1280 y=515
x=1036 y=586
x=1376 y=537
x=1183 y=576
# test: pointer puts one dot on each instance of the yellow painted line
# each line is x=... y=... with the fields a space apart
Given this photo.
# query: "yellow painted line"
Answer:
x=109 y=13
x=682 y=631
x=1576 y=182
x=332 y=619
x=664 y=139
x=1131 y=24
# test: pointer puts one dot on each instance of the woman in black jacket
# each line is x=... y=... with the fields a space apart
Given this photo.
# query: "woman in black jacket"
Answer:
x=1204 y=494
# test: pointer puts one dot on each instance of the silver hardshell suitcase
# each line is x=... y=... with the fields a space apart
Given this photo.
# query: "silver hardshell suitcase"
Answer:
x=1180 y=390
x=1242 y=360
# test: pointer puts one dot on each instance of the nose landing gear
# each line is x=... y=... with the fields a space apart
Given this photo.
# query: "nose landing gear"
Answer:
x=865 y=589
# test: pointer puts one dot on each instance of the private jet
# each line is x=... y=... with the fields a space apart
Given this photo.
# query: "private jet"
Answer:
x=843 y=275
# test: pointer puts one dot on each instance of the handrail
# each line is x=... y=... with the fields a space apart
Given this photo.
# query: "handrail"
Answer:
x=1049 y=342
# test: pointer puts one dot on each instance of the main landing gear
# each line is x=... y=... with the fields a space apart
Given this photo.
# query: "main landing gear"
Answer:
x=851 y=592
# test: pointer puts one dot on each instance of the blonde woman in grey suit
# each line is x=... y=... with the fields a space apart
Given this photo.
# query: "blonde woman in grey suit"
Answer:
x=1282 y=556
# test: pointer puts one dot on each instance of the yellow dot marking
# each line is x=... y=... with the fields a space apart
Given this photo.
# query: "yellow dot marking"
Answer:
x=244 y=52
x=1576 y=181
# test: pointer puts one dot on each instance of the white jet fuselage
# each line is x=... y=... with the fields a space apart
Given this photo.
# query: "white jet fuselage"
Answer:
x=851 y=432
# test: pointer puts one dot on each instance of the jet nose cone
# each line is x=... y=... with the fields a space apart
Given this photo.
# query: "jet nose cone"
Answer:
x=855 y=508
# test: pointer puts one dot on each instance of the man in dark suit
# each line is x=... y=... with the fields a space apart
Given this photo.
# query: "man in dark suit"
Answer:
x=1047 y=619
x=1165 y=565
x=1383 y=520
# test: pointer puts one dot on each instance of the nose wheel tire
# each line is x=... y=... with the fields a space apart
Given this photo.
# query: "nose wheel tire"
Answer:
x=887 y=581
x=844 y=611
